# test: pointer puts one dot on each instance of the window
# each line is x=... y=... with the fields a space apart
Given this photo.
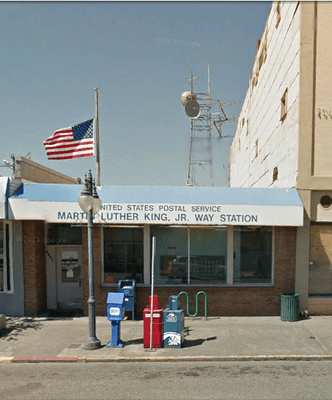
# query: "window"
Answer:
x=123 y=254
x=252 y=255
x=208 y=247
x=275 y=174
x=205 y=247
x=262 y=56
x=6 y=273
x=64 y=234
x=262 y=46
x=256 y=148
x=171 y=260
x=326 y=201
x=283 y=106
x=278 y=14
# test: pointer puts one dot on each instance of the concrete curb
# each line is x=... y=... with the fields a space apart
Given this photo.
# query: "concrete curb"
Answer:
x=20 y=360
x=40 y=359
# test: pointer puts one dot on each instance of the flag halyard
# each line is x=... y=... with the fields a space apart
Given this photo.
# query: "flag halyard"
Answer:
x=73 y=142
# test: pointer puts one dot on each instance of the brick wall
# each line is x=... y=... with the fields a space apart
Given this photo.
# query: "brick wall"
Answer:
x=34 y=267
x=222 y=301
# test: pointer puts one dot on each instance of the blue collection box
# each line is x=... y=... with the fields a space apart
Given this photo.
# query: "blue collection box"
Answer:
x=173 y=322
x=127 y=287
x=115 y=306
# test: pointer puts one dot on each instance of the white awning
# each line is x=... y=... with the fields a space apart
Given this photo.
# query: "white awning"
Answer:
x=162 y=205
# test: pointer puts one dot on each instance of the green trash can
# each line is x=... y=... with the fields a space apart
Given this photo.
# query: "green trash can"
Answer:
x=290 y=307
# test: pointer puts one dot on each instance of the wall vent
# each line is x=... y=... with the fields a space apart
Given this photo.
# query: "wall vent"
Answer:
x=275 y=174
x=326 y=201
x=283 y=105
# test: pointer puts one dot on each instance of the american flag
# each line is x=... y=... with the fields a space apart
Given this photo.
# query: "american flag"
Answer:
x=73 y=142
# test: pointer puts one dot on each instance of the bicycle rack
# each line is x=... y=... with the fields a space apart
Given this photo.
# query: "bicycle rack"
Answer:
x=197 y=294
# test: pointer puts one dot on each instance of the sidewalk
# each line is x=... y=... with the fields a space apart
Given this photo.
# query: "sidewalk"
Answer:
x=219 y=339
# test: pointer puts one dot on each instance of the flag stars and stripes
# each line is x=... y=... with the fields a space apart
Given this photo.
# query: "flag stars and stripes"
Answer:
x=73 y=142
x=83 y=131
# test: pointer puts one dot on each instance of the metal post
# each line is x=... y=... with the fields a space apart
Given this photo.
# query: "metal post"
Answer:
x=92 y=342
x=152 y=287
x=98 y=182
x=188 y=272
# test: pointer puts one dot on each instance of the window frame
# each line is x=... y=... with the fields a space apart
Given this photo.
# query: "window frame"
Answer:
x=7 y=247
x=147 y=249
x=229 y=264
x=272 y=263
x=107 y=284
x=49 y=241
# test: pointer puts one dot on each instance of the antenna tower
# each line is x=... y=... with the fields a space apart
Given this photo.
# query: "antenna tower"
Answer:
x=201 y=148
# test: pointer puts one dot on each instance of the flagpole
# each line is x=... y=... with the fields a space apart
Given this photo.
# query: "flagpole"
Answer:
x=98 y=183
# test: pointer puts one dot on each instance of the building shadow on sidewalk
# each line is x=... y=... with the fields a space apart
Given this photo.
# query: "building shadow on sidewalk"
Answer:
x=15 y=326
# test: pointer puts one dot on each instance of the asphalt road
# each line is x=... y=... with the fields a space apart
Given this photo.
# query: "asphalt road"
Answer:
x=263 y=380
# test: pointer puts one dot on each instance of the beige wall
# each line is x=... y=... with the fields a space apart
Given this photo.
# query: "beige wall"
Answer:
x=299 y=147
x=315 y=151
x=323 y=90
x=27 y=170
x=263 y=142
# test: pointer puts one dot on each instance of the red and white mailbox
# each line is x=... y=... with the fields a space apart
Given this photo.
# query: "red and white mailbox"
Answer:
x=157 y=324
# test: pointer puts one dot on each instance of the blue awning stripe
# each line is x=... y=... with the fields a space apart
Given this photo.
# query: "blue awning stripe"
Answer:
x=164 y=194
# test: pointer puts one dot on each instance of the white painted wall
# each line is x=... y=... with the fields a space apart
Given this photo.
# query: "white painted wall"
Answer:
x=263 y=142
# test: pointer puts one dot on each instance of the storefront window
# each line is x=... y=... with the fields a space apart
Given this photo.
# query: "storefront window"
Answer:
x=207 y=249
x=252 y=254
x=171 y=261
x=5 y=258
x=123 y=254
x=208 y=262
x=64 y=234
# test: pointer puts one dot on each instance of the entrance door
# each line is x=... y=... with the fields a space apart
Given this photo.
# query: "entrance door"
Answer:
x=320 y=272
x=69 y=279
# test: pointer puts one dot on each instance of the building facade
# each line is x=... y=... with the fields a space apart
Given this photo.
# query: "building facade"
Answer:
x=20 y=281
x=283 y=134
x=237 y=245
x=11 y=262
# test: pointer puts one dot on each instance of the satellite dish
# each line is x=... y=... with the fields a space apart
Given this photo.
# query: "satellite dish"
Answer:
x=192 y=109
x=187 y=96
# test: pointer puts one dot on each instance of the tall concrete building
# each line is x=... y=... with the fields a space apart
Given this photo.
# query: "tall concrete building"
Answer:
x=283 y=138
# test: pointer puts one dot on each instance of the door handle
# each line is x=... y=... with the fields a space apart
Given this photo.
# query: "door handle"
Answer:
x=79 y=282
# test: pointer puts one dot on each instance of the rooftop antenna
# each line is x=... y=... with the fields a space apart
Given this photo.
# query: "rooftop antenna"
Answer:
x=201 y=146
x=191 y=81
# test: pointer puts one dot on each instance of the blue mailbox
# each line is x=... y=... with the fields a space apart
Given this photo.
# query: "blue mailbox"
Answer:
x=173 y=318
x=115 y=313
x=127 y=287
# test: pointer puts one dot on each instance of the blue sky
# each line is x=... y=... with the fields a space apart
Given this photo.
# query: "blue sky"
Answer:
x=140 y=55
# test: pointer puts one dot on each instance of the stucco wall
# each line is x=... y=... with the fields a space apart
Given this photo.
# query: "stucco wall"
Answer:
x=323 y=89
x=263 y=142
